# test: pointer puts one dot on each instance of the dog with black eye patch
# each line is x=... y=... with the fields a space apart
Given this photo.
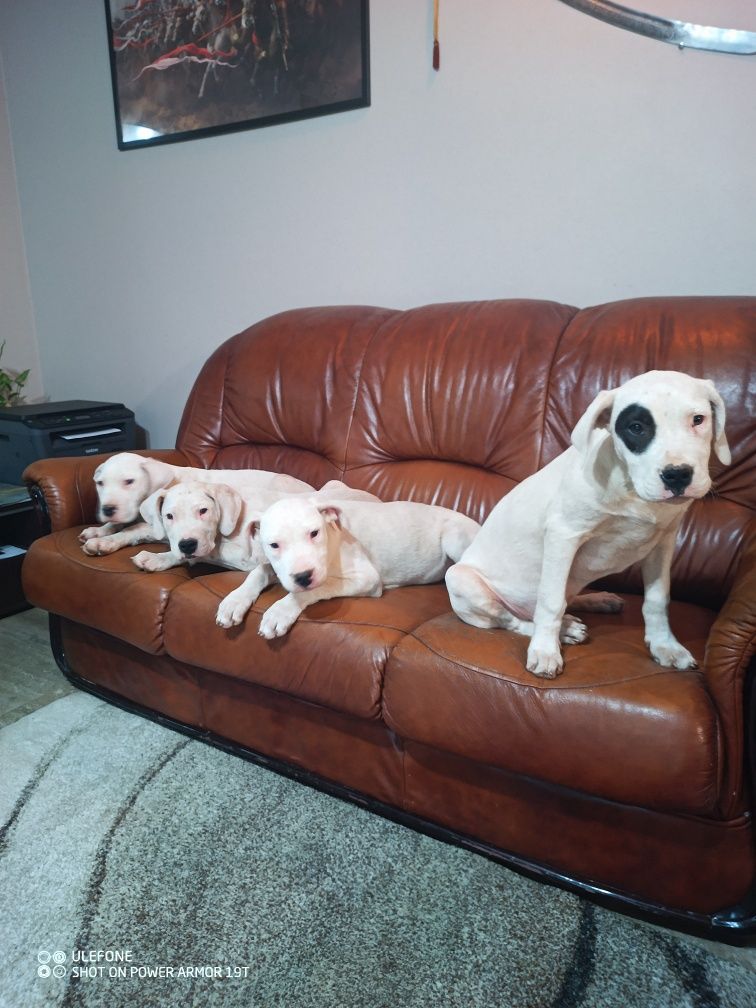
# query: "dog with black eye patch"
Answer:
x=639 y=458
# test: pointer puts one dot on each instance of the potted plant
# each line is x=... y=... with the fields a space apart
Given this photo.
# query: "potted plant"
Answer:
x=11 y=384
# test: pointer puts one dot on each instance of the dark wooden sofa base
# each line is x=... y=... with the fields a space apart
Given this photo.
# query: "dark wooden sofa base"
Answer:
x=429 y=791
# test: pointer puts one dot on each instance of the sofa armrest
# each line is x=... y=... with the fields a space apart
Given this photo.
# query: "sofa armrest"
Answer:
x=729 y=657
x=63 y=490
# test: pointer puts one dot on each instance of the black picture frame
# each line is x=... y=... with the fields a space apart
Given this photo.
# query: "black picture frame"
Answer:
x=198 y=68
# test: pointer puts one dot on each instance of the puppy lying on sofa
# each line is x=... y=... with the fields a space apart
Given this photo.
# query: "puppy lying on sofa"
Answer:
x=125 y=480
x=213 y=523
x=204 y=522
x=325 y=550
x=639 y=458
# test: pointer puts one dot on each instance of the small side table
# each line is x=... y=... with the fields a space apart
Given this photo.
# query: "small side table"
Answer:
x=18 y=529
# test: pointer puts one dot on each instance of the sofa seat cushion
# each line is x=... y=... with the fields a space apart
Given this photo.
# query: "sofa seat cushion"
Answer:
x=107 y=593
x=614 y=724
x=334 y=655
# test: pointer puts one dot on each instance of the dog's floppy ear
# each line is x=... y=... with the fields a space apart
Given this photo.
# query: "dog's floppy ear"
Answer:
x=158 y=474
x=252 y=538
x=150 y=509
x=597 y=415
x=229 y=506
x=331 y=513
x=721 y=448
x=331 y=487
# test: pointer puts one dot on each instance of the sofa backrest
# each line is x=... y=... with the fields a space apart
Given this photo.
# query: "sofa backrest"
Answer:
x=454 y=404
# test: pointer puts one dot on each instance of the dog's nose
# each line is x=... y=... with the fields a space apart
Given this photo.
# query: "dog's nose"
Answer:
x=676 y=478
x=303 y=578
x=188 y=546
x=108 y=510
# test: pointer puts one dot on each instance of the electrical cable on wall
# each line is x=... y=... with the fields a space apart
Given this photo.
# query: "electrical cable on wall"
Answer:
x=436 y=49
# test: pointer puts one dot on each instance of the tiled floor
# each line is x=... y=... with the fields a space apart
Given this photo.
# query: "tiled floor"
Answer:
x=29 y=677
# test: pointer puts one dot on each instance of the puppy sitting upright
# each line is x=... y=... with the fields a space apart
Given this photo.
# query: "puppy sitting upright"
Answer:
x=639 y=457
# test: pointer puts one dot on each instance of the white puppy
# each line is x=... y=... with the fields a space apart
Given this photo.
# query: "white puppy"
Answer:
x=125 y=480
x=639 y=457
x=201 y=521
x=323 y=550
x=236 y=604
x=214 y=523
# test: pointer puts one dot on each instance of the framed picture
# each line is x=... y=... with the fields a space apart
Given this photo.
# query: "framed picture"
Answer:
x=183 y=69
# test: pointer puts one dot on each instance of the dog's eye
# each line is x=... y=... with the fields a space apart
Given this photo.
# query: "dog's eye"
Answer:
x=128 y=482
x=636 y=427
x=314 y=534
x=169 y=517
x=203 y=511
x=273 y=545
x=98 y=482
x=698 y=419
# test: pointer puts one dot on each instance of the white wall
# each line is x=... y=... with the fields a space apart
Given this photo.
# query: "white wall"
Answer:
x=16 y=316
x=552 y=156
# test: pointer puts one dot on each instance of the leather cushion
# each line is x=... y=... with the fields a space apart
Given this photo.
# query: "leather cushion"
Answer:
x=614 y=724
x=281 y=394
x=107 y=593
x=334 y=655
x=436 y=418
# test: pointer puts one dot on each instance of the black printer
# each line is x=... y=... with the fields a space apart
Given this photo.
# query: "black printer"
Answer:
x=55 y=429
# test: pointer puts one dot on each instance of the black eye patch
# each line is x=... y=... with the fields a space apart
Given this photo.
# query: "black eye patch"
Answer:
x=636 y=428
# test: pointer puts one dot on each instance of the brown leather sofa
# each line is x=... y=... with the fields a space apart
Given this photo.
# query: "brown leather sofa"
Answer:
x=623 y=780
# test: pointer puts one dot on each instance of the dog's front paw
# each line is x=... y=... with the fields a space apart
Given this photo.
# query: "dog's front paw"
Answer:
x=231 y=611
x=573 y=631
x=147 y=561
x=672 y=655
x=99 y=546
x=543 y=662
x=277 y=621
x=89 y=533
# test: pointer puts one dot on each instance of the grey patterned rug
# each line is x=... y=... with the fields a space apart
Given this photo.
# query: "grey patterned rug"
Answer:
x=138 y=867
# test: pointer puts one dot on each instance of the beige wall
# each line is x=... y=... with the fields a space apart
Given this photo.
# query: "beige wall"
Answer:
x=552 y=156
